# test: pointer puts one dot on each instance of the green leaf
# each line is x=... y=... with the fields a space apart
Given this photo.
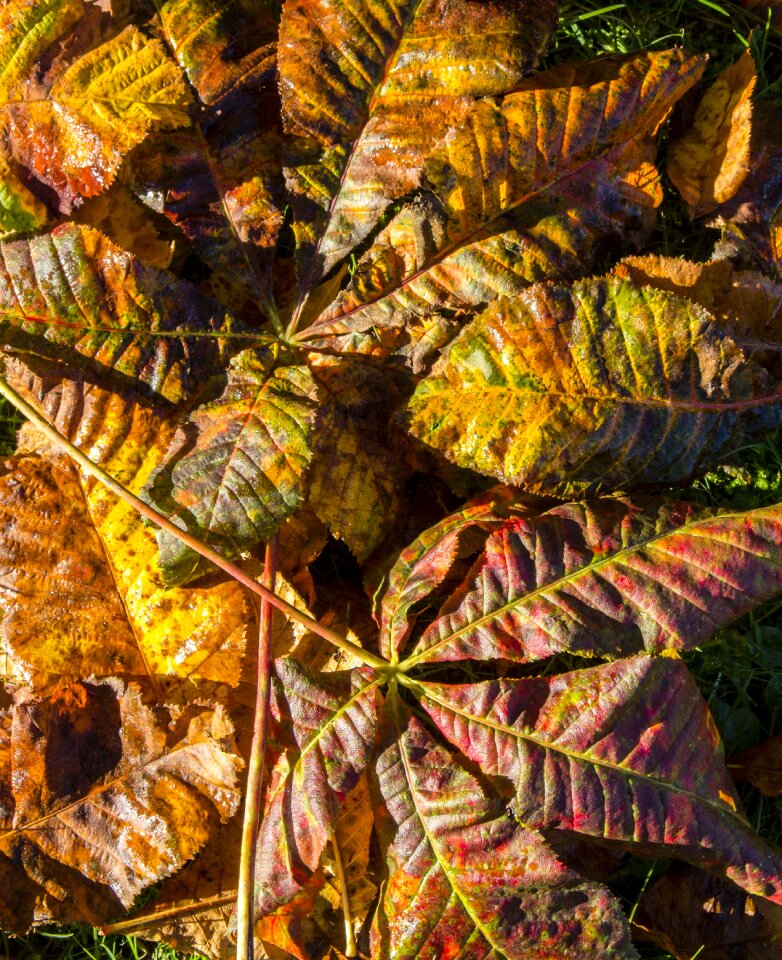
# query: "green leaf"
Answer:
x=235 y=469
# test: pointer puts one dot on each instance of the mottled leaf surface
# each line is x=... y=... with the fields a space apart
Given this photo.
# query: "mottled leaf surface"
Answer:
x=221 y=179
x=480 y=884
x=179 y=635
x=608 y=577
x=70 y=125
x=107 y=805
x=404 y=287
x=627 y=751
x=332 y=720
x=567 y=387
x=502 y=156
x=747 y=304
x=74 y=294
x=423 y=565
x=235 y=469
x=374 y=87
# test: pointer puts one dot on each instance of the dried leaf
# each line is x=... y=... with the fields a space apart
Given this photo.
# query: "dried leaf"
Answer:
x=689 y=913
x=709 y=163
x=71 y=127
x=106 y=806
x=761 y=765
x=355 y=479
x=746 y=304
x=751 y=219
x=74 y=294
x=353 y=835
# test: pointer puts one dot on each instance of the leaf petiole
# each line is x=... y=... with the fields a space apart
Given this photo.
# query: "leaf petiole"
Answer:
x=164 y=523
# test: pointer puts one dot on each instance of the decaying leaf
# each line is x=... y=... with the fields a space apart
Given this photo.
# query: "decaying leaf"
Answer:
x=352 y=837
x=761 y=765
x=70 y=126
x=709 y=163
x=751 y=220
x=602 y=382
x=688 y=913
x=106 y=806
x=344 y=247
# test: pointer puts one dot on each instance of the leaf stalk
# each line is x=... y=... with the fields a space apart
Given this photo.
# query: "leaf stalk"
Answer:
x=245 y=895
x=164 y=523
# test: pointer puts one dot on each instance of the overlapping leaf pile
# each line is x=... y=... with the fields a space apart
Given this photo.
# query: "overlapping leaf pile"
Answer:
x=297 y=280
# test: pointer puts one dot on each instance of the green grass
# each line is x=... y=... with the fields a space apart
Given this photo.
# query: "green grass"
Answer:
x=741 y=673
x=81 y=943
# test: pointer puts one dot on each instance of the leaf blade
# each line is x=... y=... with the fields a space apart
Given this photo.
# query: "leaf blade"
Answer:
x=626 y=751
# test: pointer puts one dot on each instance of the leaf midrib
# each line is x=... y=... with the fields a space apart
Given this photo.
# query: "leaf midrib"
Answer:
x=391 y=60
x=583 y=758
x=567 y=578
x=450 y=388
x=467 y=907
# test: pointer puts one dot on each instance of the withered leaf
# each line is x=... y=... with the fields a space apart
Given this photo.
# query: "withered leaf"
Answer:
x=106 y=806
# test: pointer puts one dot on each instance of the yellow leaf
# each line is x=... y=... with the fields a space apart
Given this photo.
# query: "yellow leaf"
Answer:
x=709 y=163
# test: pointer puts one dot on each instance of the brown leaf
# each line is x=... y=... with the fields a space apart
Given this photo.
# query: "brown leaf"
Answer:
x=105 y=806
x=691 y=914
x=761 y=765
x=752 y=219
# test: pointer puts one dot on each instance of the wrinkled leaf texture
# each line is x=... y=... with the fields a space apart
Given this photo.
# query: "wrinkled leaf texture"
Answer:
x=446 y=203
